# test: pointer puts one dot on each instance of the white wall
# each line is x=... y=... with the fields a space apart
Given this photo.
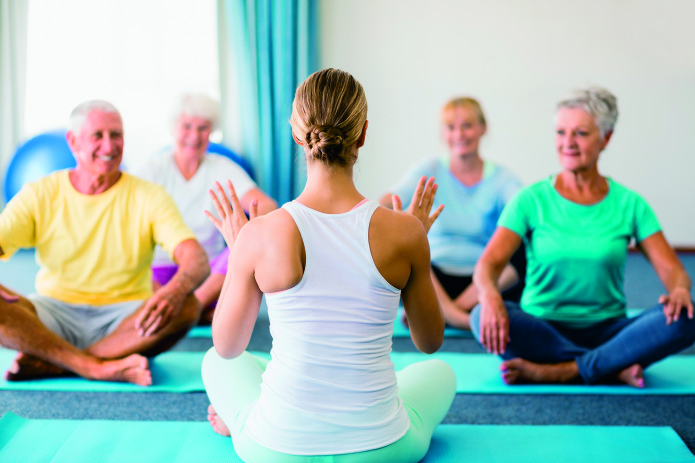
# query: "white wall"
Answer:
x=139 y=55
x=518 y=57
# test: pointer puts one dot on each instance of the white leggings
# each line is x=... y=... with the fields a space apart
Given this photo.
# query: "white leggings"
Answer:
x=427 y=389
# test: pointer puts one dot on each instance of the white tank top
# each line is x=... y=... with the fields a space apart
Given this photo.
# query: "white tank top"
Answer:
x=330 y=387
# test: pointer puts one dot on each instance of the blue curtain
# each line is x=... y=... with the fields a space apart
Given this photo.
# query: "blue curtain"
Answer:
x=267 y=48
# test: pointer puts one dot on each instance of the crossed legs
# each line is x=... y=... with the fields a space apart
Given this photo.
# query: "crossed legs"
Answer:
x=426 y=388
x=115 y=357
x=615 y=349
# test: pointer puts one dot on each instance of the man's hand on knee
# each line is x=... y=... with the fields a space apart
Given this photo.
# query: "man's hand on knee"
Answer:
x=159 y=310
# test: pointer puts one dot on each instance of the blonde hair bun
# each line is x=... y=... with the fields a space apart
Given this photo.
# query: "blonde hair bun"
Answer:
x=328 y=114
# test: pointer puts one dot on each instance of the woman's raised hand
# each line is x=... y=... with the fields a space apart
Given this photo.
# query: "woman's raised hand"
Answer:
x=232 y=218
x=422 y=201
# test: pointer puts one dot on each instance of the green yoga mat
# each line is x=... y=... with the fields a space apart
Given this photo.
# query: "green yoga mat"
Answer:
x=92 y=441
x=171 y=372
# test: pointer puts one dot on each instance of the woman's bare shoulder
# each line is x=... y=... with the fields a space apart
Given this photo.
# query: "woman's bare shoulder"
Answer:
x=273 y=247
x=400 y=227
x=277 y=228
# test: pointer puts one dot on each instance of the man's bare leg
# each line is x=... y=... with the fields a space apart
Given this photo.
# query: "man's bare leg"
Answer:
x=519 y=370
x=21 y=330
x=126 y=340
x=216 y=422
x=25 y=366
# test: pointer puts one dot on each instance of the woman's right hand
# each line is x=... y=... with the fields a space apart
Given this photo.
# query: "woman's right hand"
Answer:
x=494 y=323
x=422 y=201
x=232 y=218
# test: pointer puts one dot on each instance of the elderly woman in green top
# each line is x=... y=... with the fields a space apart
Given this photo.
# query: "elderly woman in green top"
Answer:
x=571 y=322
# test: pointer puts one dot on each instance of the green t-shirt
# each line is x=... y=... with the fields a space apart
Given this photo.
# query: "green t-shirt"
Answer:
x=576 y=253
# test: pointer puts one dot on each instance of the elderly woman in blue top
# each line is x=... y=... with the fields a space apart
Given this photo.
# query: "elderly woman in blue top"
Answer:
x=474 y=192
x=571 y=324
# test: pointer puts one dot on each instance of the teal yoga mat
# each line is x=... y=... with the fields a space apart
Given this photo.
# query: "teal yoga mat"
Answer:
x=480 y=374
x=92 y=441
x=399 y=330
x=200 y=332
x=475 y=374
x=171 y=372
x=19 y=273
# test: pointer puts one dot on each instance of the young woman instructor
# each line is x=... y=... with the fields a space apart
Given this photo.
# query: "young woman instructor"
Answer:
x=333 y=266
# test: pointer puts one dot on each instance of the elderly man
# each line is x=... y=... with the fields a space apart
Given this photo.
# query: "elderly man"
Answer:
x=95 y=229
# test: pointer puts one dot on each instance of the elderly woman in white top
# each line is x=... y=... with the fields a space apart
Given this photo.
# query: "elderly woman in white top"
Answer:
x=187 y=172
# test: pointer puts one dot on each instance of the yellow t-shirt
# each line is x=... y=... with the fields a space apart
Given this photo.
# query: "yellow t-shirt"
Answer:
x=92 y=249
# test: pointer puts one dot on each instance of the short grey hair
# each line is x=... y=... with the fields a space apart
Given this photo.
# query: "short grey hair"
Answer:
x=196 y=105
x=601 y=104
x=79 y=115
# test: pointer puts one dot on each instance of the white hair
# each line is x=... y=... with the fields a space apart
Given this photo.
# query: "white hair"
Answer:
x=601 y=104
x=196 y=105
x=79 y=115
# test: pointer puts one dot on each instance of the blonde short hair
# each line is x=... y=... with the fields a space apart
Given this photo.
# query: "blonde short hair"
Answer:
x=328 y=114
x=464 y=102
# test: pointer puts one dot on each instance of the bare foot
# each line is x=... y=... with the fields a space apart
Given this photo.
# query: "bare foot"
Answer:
x=518 y=370
x=632 y=376
x=131 y=369
x=217 y=423
x=26 y=367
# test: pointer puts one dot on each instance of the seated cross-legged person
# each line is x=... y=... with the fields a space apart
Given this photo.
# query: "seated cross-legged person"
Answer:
x=94 y=229
x=571 y=324
x=475 y=191
x=186 y=172
x=333 y=266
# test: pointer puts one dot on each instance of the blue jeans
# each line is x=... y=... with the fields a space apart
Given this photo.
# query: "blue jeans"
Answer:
x=600 y=350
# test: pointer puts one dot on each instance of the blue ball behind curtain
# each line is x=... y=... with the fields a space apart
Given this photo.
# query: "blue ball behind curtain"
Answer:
x=36 y=158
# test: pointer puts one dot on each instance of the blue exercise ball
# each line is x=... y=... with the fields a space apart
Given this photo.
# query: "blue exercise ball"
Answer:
x=224 y=151
x=36 y=158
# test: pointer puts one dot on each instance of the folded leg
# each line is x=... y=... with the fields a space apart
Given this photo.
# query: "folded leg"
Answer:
x=643 y=341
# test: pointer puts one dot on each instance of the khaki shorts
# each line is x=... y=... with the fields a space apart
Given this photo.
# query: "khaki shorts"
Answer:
x=81 y=324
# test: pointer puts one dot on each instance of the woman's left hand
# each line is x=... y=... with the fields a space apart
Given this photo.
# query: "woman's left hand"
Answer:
x=674 y=303
x=232 y=218
x=422 y=202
